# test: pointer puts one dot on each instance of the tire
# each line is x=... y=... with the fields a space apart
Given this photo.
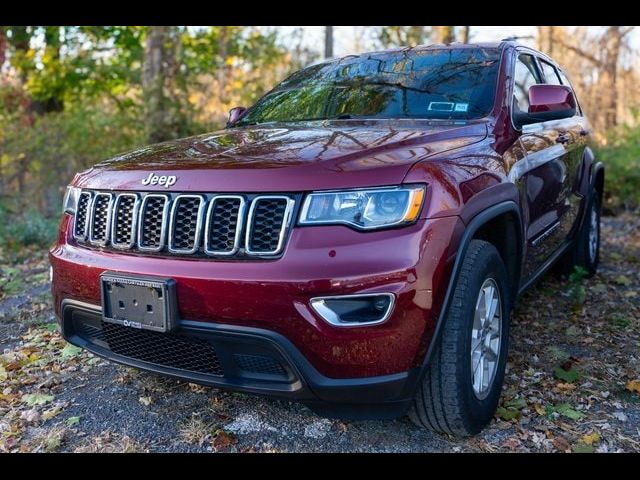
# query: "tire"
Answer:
x=586 y=251
x=446 y=400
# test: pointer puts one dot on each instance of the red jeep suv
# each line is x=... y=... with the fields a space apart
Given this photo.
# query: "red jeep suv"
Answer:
x=355 y=240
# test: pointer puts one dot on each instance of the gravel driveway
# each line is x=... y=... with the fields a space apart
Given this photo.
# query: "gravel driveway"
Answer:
x=573 y=381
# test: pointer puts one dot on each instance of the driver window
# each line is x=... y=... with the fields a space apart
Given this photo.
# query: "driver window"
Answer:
x=526 y=74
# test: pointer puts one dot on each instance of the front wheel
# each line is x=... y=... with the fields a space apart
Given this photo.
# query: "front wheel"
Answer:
x=461 y=388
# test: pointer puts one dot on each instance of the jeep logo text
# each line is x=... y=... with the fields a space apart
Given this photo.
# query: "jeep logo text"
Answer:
x=162 y=180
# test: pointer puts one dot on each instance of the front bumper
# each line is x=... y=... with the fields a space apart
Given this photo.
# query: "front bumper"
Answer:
x=245 y=359
x=412 y=262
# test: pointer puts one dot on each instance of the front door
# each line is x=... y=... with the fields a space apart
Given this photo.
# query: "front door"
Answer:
x=547 y=175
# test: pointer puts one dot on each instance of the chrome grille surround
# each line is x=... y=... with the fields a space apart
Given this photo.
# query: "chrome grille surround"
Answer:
x=194 y=232
x=210 y=224
x=163 y=223
x=203 y=224
x=128 y=220
x=81 y=219
x=286 y=219
x=100 y=219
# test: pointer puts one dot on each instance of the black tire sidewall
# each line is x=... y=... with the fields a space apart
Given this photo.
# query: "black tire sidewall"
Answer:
x=480 y=412
x=582 y=251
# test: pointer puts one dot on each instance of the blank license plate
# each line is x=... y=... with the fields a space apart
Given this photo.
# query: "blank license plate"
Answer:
x=139 y=302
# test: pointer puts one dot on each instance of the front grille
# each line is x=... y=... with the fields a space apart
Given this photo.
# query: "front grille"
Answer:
x=186 y=219
x=124 y=221
x=266 y=219
x=152 y=220
x=166 y=349
x=259 y=364
x=82 y=215
x=100 y=218
x=185 y=224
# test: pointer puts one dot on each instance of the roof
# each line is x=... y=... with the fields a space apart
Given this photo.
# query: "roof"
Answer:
x=418 y=48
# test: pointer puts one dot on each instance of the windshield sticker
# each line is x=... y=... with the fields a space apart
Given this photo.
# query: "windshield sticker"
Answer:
x=441 y=106
x=461 y=107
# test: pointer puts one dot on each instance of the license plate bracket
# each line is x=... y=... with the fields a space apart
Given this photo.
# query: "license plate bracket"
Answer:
x=147 y=303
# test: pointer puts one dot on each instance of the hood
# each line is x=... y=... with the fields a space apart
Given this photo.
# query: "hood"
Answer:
x=281 y=158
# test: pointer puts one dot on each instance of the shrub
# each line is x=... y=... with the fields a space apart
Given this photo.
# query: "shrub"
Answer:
x=621 y=156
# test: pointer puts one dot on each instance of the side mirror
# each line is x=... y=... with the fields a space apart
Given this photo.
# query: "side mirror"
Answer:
x=547 y=102
x=235 y=114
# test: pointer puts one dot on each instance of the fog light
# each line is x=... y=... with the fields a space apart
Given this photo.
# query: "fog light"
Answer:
x=354 y=310
x=50 y=274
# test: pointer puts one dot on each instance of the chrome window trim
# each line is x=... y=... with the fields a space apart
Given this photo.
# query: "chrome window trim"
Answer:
x=163 y=227
x=100 y=243
x=87 y=216
x=198 y=233
x=285 y=223
x=317 y=305
x=134 y=221
x=240 y=225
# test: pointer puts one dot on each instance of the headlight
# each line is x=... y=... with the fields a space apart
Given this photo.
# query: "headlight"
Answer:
x=364 y=209
x=71 y=199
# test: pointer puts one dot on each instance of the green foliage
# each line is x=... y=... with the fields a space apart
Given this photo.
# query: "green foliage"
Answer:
x=621 y=157
x=30 y=228
x=576 y=286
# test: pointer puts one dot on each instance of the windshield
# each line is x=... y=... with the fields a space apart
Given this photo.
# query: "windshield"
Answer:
x=434 y=84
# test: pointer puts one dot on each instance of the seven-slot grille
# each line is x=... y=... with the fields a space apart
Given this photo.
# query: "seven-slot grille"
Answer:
x=185 y=224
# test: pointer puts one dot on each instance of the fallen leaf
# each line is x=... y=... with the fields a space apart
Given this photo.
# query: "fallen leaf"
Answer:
x=633 y=386
x=572 y=331
x=71 y=421
x=516 y=403
x=623 y=280
x=146 y=401
x=568 y=411
x=591 y=438
x=31 y=416
x=582 y=448
x=223 y=439
x=568 y=376
x=507 y=414
x=33 y=399
x=70 y=351
x=3 y=373
x=561 y=444
x=540 y=409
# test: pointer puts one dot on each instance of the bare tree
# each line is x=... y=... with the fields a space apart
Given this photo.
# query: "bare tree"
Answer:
x=157 y=82
x=465 y=34
x=446 y=34
x=328 y=42
x=603 y=54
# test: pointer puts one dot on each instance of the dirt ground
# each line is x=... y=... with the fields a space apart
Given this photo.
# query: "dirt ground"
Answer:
x=572 y=382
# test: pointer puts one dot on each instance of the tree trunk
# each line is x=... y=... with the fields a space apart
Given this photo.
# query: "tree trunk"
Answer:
x=610 y=77
x=223 y=70
x=3 y=45
x=465 y=34
x=157 y=83
x=328 y=42
x=446 y=34
x=52 y=46
x=416 y=35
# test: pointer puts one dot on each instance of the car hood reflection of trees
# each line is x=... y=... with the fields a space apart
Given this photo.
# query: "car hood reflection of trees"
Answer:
x=304 y=155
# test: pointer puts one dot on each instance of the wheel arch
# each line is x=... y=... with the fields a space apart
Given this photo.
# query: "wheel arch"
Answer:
x=507 y=211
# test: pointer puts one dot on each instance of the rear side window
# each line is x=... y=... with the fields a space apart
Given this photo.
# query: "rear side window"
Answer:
x=526 y=74
x=550 y=74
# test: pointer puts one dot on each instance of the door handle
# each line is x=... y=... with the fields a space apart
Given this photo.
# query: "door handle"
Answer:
x=564 y=138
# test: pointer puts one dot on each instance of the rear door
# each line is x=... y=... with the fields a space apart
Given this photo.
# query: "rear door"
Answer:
x=546 y=175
